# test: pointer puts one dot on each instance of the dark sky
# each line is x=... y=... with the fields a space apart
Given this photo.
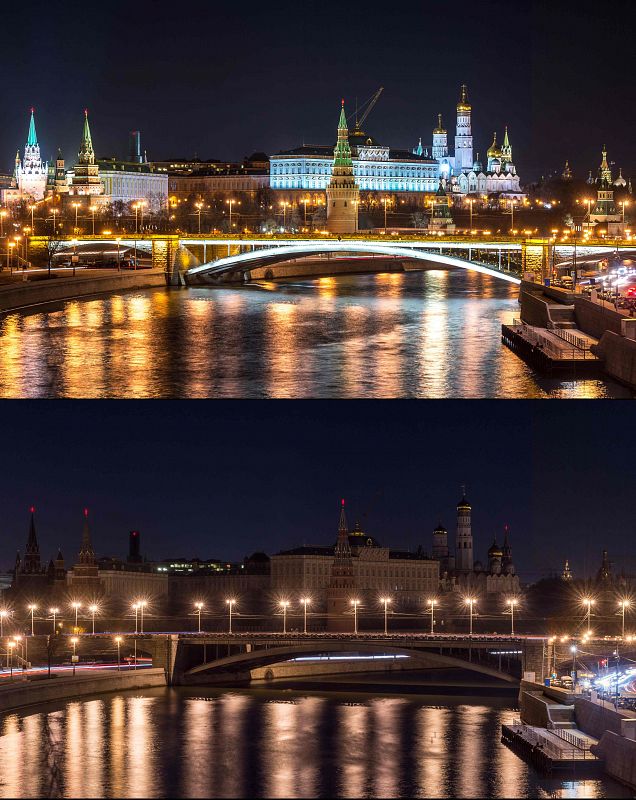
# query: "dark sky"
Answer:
x=222 y=479
x=225 y=79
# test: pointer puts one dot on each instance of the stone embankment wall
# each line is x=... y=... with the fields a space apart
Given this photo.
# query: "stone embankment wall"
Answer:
x=594 y=319
x=24 y=692
x=619 y=755
x=33 y=293
x=619 y=357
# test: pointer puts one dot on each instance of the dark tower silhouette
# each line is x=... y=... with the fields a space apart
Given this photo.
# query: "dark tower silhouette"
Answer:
x=31 y=564
x=342 y=584
x=134 y=548
x=134 y=147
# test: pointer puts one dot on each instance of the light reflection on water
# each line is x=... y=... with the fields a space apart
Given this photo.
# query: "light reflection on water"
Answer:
x=239 y=744
x=421 y=334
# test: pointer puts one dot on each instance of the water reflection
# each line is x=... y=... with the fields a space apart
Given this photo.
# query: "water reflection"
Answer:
x=237 y=744
x=418 y=334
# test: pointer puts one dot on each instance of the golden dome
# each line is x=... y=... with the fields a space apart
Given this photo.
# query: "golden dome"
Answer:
x=440 y=127
x=493 y=150
x=463 y=104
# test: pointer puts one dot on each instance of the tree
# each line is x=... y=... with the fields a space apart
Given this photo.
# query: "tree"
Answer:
x=53 y=246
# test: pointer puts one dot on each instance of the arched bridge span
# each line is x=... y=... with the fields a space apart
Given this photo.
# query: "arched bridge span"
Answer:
x=240 y=264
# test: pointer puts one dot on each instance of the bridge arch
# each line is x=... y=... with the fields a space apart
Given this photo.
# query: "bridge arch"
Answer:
x=252 y=659
x=243 y=262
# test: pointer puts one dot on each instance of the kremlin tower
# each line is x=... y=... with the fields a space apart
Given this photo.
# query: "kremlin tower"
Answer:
x=342 y=583
x=86 y=179
x=464 y=540
x=463 y=135
x=31 y=172
x=343 y=195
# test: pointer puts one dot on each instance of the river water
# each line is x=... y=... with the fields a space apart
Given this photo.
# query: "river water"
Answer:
x=422 y=334
x=185 y=743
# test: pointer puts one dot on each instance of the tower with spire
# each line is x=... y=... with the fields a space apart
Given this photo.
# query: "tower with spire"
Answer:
x=31 y=563
x=342 y=584
x=464 y=538
x=440 y=140
x=85 y=575
x=31 y=172
x=343 y=195
x=463 y=134
x=85 y=177
x=604 y=213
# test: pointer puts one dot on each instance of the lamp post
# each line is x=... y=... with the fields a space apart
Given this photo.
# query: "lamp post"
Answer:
x=54 y=612
x=230 y=605
x=470 y=602
x=512 y=215
x=588 y=602
x=573 y=651
x=355 y=604
x=54 y=213
x=3 y=214
x=142 y=203
x=230 y=204
x=305 y=602
x=118 y=643
x=142 y=605
x=512 y=602
x=470 y=205
x=136 y=207
x=32 y=210
x=198 y=607
x=284 y=205
x=11 y=245
x=118 y=240
x=93 y=609
x=93 y=209
x=32 y=608
x=283 y=604
x=74 y=641
x=385 y=201
x=385 y=602
x=136 y=610
x=198 y=207
x=305 y=201
x=76 y=207
x=10 y=647
x=624 y=203
x=623 y=605
x=77 y=607
x=3 y=615
x=432 y=602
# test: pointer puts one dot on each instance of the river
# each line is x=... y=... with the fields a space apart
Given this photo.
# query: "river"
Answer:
x=435 y=334
x=207 y=743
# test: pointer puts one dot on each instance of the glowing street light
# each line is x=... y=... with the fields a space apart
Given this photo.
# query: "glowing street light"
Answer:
x=623 y=605
x=385 y=602
x=512 y=602
x=573 y=651
x=93 y=209
x=3 y=615
x=230 y=604
x=118 y=643
x=3 y=214
x=432 y=603
x=135 y=607
x=588 y=602
x=198 y=607
x=142 y=604
x=32 y=608
x=305 y=602
x=470 y=602
x=355 y=604
x=76 y=207
x=54 y=612
x=74 y=641
x=10 y=647
x=198 y=207
x=230 y=204
x=284 y=604
x=77 y=607
x=93 y=609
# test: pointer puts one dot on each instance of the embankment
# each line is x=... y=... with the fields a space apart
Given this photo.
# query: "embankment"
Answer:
x=24 y=692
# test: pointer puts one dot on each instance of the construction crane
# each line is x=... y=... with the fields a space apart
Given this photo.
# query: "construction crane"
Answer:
x=370 y=103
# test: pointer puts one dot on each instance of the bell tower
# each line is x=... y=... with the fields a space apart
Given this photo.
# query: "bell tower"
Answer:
x=343 y=195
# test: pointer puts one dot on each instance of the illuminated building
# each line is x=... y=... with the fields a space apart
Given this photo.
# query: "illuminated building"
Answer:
x=343 y=195
x=375 y=569
x=31 y=171
x=56 y=182
x=605 y=213
x=84 y=178
x=441 y=217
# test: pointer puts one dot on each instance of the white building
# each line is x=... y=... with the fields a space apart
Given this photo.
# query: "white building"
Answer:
x=31 y=172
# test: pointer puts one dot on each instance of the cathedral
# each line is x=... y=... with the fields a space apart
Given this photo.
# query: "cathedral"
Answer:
x=459 y=572
x=605 y=214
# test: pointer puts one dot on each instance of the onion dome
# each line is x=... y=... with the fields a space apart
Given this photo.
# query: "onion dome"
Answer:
x=463 y=104
x=620 y=181
x=493 y=150
x=440 y=529
x=494 y=551
x=440 y=128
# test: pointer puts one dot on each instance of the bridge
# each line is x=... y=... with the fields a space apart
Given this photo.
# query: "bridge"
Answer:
x=191 y=658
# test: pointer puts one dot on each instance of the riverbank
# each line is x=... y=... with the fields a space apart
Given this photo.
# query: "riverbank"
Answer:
x=22 y=692
x=19 y=295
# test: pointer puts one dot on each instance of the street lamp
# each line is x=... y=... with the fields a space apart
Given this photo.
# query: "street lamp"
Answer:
x=118 y=240
x=142 y=604
x=355 y=604
x=230 y=204
x=10 y=646
x=93 y=609
x=32 y=608
x=118 y=643
x=198 y=207
x=470 y=205
x=198 y=607
x=3 y=615
x=305 y=602
x=76 y=207
x=306 y=200
x=623 y=605
x=512 y=602
x=135 y=607
x=230 y=605
x=3 y=214
x=54 y=213
x=77 y=607
x=285 y=205
x=470 y=602
x=74 y=641
x=573 y=651
x=93 y=209
x=283 y=604
x=33 y=207
x=432 y=603
x=385 y=201
x=54 y=612
x=587 y=601
x=385 y=601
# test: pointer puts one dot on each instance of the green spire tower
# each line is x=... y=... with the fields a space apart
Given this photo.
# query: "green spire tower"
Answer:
x=86 y=154
x=86 y=180
x=343 y=195
x=32 y=139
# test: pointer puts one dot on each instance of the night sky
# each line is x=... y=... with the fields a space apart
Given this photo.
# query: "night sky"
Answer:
x=223 y=479
x=221 y=80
